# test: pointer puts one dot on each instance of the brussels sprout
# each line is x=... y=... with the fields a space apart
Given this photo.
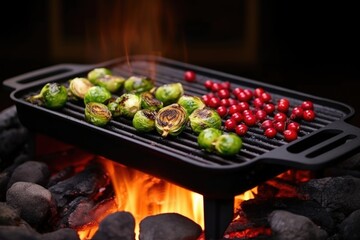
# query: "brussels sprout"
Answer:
x=228 y=144
x=171 y=120
x=129 y=104
x=144 y=120
x=111 y=83
x=113 y=107
x=207 y=138
x=97 y=73
x=148 y=101
x=190 y=103
x=137 y=84
x=97 y=113
x=169 y=93
x=52 y=95
x=204 y=118
x=79 y=86
x=97 y=94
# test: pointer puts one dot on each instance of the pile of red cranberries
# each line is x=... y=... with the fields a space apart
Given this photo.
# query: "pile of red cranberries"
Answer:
x=244 y=108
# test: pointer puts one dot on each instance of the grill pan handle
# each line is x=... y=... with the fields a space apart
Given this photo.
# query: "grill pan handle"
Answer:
x=44 y=75
x=335 y=141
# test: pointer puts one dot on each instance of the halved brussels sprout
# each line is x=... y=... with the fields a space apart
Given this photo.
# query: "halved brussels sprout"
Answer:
x=97 y=73
x=129 y=104
x=190 y=103
x=111 y=83
x=207 y=138
x=97 y=113
x=97 y=94
x=148 y=101
x=79 y=86
x=144 y=120
x=52 y=95
x=171 y=120
x=169 y=93
x=203 y=118
x=138 y=84
x=228 y=144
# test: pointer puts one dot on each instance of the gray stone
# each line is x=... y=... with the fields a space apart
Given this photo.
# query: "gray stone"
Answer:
x=169 y=226
x=350 y=228
x=286 y=225
x=17 y=233
x=34 y=202
x=31 y=171
x=9 y=118
x=116 y=226
x=11 y=141
x=8 y=215
x=61 y=234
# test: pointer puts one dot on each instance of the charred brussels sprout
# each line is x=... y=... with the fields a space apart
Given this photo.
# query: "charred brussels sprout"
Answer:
x=148 y=101
x=97 y=73
x=137 y=84
x=204 y=118
x=113 y=107
x=111 y=83
x=169 y=93
x=144 y=120
x=97 y=94
x=97 y=113
x=190 y=103
x=228 y=144
x=52 y=95
x=207 y=139
x=129 y=104
x=171 y=120
x=79 y=86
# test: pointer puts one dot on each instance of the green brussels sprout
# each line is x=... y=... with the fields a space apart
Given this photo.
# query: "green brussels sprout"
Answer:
x=208 y=137
x=97 y=94
x=113 y=107
x=97 y=73
x=228 y=144
x=129 y=104
x=111 y=83
x=202 y=118
x=137 y=84
x=169 y=93
x=97 y=113
x=79 y=86
x=148 y=101
x=144 y=120
x=190 y=103
x=171 y=120
x=52 y=95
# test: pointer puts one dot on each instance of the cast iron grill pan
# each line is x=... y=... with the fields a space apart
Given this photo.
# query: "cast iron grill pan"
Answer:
x=179 y=159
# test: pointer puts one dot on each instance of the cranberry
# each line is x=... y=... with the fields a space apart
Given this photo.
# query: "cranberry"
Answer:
x=226 y=85
x=233 y=109
x=208 y=84
x=283 y=105
x=258 y=103
x=225 y=102
x=247 y=112
x=237 y=90
x=270 y=132
x=297 y=112
x=260 y=115
x=265 y=96
x=205 y=99
x=211 y=94
x=237 y=117
x=290 y=135
x=281 y=117
x=249 y=93
x=232 y=101
x=243 y=106
x=269 y=108
x=258 y=92
x=279 y=126
x=249 y=119
x=241 y=129
x=309 y=115
x=242 y=97
x=190 y=76
x=223 y=93
x=307 y=105
x=222 y=111
x=293 y=126
x=214 y=102
x=267 y=124
x=216 y=87
x=230 y=124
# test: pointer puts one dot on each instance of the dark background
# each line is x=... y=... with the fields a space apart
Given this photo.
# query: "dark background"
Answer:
x=301 y=45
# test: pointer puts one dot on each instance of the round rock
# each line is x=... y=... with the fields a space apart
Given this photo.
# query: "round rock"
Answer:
x=31 y=171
